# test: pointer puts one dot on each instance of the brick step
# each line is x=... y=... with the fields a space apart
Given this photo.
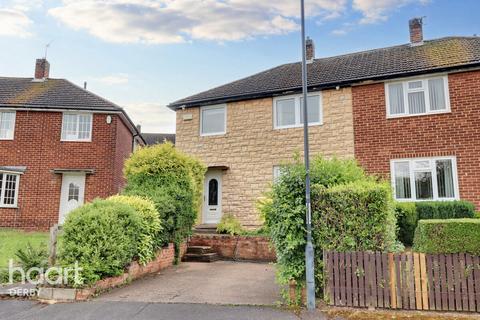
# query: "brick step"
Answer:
x=199 y=249
x=205 y=257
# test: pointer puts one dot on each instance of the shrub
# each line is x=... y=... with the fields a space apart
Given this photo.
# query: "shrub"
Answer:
x=284 y=211
x=32 y=257
x=448 y=236
x=445 y=209
x=407 y=219
x=102 y=236
x=230 y=225
x=173 y=181
x=150 y=237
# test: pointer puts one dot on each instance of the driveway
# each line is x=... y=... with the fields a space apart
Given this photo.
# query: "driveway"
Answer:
x=221 y=282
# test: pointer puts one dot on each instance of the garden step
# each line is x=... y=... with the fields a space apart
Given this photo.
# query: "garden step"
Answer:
x=206 y=229
x=206 y=257
x=199 y=249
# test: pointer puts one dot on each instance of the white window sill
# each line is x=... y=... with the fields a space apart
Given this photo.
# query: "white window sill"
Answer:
x=212 y=134
x=6 y=139
x=312 y=124
x=426 y=200
x=395 y=116
x=8 y=207
x=74 y=140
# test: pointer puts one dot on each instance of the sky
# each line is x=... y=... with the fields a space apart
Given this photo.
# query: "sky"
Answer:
x=145 y=54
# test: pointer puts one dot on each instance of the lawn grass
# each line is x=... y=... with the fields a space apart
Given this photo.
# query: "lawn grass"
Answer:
x=11 y=240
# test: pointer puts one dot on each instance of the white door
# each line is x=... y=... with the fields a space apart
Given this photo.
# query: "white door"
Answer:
x=72 y=194
x=212 y=199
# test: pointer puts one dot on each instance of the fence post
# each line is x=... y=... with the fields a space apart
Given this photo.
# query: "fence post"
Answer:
x=53 y=245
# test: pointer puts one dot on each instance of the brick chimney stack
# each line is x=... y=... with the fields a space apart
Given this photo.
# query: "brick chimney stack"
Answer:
x=310 y=46
x=42 y=69
x=416 y=31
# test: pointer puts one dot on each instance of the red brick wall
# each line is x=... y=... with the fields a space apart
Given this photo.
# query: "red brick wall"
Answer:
x=252 y=248
x=37 y=146
x=123 y=149
x=378 y=139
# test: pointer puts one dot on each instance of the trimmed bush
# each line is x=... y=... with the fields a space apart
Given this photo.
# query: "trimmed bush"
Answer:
x=173 y=181
x=102 y=236
x=355 y=216
x=408 y=214
x=349 y=216
x=448 y=236
x=407 y=219
x=150 y=238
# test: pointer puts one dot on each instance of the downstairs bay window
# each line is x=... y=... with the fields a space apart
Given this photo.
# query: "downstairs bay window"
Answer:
x=425 y=179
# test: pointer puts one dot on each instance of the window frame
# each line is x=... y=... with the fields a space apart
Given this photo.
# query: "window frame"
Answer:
x=12 y=137
x=424 y=89
x=297 y=98
x=413 y=190
x=2 y=189
x=210 y=107
x=77 y=114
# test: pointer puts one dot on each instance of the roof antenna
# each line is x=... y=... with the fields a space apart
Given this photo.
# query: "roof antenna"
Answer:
x=46 y=49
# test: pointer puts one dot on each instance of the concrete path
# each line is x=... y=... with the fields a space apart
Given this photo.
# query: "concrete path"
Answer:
x=221 y=282
x=28 y=310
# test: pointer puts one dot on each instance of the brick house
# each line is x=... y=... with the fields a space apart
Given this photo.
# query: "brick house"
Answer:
x=60 y=145
x=408 y=112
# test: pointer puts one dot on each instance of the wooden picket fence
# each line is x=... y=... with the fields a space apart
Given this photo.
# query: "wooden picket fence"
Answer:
x=412 y=281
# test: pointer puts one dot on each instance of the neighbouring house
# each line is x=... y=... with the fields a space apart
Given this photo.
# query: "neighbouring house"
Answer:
x=409 y=112
x=60 y=145
x=156 y=138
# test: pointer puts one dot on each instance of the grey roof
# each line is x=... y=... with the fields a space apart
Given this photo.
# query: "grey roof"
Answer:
x=50 y=94
x=434 y=55
x=154 y=138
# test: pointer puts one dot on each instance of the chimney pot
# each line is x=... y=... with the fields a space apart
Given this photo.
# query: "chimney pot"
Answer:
x=139 y=128
x=310 y=49
x=416 y=31
x=42 y=69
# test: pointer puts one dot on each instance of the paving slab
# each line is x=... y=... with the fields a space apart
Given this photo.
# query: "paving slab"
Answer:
x=221 y=282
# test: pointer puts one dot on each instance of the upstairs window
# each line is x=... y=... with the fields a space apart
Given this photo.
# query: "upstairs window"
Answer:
x=8 y=189
x=417 y=97
x=7 y=125
x=213 y=120
x=77 y=127
x=425 y=179
x=288 y=111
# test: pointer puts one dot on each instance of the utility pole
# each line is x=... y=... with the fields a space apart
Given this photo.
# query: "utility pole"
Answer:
x=309 y=252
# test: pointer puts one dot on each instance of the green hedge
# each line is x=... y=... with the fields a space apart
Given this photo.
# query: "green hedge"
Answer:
x=358 y=215
x=151 y=236
x=173 y=181
x=408 y=214
x=103 y=237
x=448 y=236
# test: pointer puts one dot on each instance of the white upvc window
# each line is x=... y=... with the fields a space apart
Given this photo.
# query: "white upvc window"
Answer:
x=77 y=127
x=425 y=179
x=417 y=97
x=288 y=111
x=277 y=172
x=213 y=120
x=7 y=125
x=9 y=183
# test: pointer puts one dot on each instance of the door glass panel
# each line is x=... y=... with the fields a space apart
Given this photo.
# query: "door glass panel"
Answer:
x=73 y=192
x=213 y=192
x=423 y=185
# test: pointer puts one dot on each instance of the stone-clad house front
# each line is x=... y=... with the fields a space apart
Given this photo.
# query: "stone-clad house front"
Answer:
x=60 y=146
x=408 y=112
